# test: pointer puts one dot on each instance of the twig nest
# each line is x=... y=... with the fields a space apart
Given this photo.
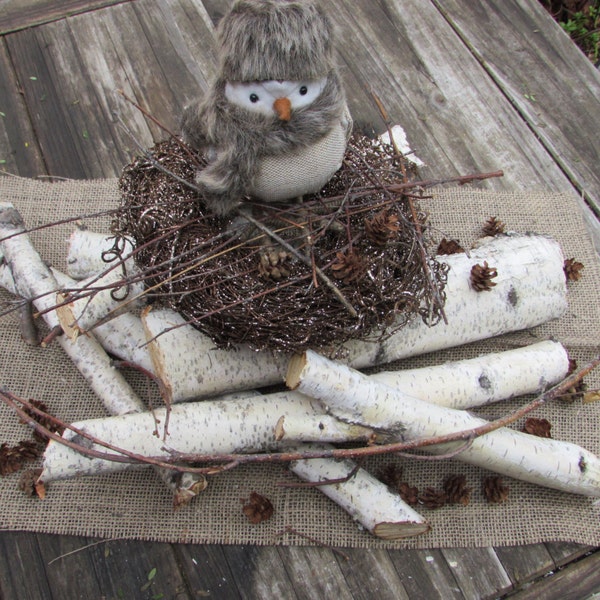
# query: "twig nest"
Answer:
x=237 y=284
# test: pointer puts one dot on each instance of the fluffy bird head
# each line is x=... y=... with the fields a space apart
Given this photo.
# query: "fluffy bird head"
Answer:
x=275 y=40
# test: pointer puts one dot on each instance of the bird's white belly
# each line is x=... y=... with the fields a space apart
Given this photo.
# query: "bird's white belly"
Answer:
x=304 y=171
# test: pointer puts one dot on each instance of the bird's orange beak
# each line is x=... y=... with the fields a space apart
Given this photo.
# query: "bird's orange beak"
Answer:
x=283 y=108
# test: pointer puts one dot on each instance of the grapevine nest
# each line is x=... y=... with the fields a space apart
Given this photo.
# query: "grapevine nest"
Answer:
x=348 y=262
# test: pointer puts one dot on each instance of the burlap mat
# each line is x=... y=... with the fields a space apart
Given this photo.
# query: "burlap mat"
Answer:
x=137 y=505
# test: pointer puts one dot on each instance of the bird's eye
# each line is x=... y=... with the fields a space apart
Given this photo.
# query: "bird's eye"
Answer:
x=253 y=98
x=303 y=90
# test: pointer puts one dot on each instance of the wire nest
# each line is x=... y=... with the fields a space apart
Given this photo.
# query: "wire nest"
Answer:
x=352 y=264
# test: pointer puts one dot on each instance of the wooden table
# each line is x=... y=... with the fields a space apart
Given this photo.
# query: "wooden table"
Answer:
x=477 y=86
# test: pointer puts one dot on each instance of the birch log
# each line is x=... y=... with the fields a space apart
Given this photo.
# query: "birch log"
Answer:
x=485 y=379
x=368 y=501
x=85 y=253
x=95 y=299
x=530 y=290
x=209 y=427
x=32 y=279
x=355 y=398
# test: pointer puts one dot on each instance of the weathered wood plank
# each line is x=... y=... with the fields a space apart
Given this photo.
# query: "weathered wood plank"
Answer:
x=19 y=14
x=314 y=572
x=79 y=64
x=259 y=572
x=456 y=118
x=60 y=107
x=563 y=553
x=479 y=572
x=206 y=571
x=131 y=569
x=555 y=88
x=425 y=574
x=22 y=574
x=525 y=563
x=19 y=151
x=370 y=573
x=574 y=582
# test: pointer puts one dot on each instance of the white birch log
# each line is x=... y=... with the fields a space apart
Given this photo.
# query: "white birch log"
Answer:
x=32 y=279
x=366 y=499
x=191 y=366
x=530 y=290
x=478 y=381
x=355 y=398
x=209 y=427
x=85 y=250
x=100 y=297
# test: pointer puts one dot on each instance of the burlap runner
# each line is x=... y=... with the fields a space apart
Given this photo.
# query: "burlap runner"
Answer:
x=137 y=505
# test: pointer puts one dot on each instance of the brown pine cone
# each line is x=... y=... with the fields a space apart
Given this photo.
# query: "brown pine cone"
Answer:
x=539 y=427
x=481 y=277
x=382 y=227
x=258 y=508
x=493 y=227
x=431 y=498
x=494 y=490
x=572 y=269
x=348 y=266
x=274 y=264
x=456 y=490
x=446 y=247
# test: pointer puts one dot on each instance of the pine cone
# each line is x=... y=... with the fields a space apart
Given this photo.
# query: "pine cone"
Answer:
x=494 y=490
x=446 y=247
x=391 y=475
x=456 y=490
x=431 y=498
x=12 y=458
x=348 y=266
x=30 y=485
x=258 y=508
x=572 y=269
x=274 y=265
x=539 y=427
x=43 y=420
x=493 y=227
x=408 y=493
x=382 y=227
x=481 y=277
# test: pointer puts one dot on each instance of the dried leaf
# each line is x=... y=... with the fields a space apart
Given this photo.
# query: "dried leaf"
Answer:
x=591 y=396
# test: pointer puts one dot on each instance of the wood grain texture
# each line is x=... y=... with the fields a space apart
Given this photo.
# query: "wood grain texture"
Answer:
x=577 y=581
x=440 y=79
x=555 y=88
x=524 y=563
x=19 y=14
x=19 y=149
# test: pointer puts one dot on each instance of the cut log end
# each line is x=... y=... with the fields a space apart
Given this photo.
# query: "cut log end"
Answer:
x=400 y=530
x=294 y=373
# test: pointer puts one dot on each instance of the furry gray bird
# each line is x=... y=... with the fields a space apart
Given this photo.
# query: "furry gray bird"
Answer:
x=274 y=123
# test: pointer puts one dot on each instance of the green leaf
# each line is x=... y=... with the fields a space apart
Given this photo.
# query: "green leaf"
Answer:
x=152 y=574
x=2 y=114
x=33 y=78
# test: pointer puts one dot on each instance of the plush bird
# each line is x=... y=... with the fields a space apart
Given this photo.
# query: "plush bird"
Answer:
x=274 y=123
